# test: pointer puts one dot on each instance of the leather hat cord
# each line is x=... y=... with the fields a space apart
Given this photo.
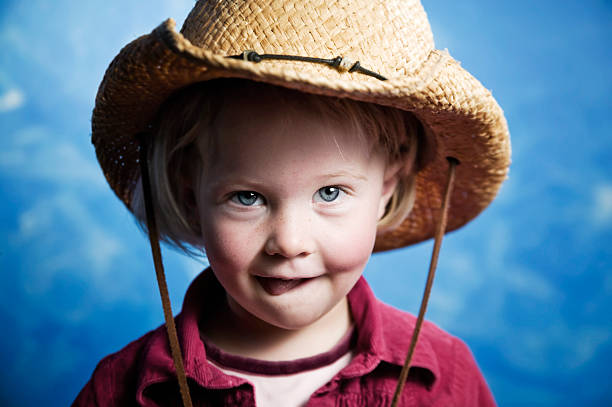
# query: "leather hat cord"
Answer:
x=453 y=162
x=161 y=277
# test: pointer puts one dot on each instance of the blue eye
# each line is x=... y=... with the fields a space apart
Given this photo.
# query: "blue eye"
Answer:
x=246 y=198
x=329 y=193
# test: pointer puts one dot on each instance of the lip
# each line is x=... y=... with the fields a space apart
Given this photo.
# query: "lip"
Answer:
x=278 y=286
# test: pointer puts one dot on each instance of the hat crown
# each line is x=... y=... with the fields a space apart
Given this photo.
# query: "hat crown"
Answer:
x=392 y=37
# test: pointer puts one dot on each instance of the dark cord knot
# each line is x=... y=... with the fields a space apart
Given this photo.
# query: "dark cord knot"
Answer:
x=251 y=56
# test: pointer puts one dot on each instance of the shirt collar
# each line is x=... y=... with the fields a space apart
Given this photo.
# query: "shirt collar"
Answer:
x=383 y=336
x=157 y=365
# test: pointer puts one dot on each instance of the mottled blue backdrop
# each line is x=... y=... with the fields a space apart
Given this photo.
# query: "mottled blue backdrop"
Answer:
x=528 y=284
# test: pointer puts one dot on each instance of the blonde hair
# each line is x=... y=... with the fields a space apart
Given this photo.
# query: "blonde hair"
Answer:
x=181 y=138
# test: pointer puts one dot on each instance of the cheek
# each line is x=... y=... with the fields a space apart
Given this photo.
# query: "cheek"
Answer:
x=228 y=244
x=351 y=245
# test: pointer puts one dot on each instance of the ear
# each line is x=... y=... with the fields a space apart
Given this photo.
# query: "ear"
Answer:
x=390 y=180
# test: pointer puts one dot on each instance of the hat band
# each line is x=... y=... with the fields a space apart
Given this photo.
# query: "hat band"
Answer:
x=340 y=63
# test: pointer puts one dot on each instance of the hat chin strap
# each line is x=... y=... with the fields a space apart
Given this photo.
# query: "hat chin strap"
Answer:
x=161 y=276
x=441 y=228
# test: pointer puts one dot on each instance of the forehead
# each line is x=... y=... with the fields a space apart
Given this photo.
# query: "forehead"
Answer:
x=290 y=122
x=274 y=147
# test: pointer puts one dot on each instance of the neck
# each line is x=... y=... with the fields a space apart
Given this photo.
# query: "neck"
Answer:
x=238 y=332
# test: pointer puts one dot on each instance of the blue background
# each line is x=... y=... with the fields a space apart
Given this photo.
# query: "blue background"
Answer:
x=527 y=284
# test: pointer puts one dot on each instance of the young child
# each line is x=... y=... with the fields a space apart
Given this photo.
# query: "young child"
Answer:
x=288 y=166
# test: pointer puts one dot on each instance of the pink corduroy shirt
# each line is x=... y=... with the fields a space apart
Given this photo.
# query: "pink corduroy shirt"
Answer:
x=443 y=371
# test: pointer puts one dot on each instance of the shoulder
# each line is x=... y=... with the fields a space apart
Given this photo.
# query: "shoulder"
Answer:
x=114 y=380
x=398 y=326
x=446 y=356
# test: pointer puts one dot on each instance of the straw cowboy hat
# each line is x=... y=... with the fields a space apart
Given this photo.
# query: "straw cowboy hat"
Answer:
x=378 y=51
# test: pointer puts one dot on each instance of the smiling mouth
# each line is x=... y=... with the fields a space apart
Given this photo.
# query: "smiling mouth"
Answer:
x=278 y=286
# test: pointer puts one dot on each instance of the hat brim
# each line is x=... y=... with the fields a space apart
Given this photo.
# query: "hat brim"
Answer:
x=460 y=115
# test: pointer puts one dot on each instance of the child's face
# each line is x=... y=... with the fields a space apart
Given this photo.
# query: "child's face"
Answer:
x=289 y=206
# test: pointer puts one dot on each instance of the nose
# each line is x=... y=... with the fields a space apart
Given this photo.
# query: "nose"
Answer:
x=290 y=234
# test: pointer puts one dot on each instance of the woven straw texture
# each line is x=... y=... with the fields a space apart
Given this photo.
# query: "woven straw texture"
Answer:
x=391 y=37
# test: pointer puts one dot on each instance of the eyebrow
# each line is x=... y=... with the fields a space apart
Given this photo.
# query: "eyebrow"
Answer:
x=341 y=174
x=223 y=181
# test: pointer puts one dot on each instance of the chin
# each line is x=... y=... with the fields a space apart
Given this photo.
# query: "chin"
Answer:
x=289 y=319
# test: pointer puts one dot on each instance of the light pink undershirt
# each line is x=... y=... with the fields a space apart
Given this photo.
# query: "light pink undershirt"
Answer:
x=286 y=383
